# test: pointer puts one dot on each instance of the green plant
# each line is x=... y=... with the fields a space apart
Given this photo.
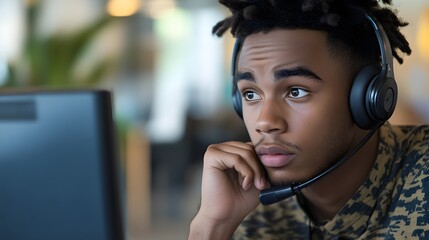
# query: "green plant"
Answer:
x=50 y=61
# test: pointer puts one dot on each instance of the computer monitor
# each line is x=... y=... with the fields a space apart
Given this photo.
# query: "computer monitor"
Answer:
x=59 y=175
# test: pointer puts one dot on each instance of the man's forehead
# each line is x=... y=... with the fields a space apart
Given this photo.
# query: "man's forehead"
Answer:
x=285 y=37
x=283 y=43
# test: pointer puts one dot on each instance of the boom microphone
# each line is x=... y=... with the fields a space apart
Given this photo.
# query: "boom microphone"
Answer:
x=277 y=194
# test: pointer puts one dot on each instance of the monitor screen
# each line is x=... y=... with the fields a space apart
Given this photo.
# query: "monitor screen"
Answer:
x=58 y=166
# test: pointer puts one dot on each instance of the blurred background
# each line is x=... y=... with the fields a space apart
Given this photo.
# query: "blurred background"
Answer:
x=170 y=80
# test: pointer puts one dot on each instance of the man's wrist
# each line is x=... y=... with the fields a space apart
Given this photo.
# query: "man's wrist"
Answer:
x=204 y=228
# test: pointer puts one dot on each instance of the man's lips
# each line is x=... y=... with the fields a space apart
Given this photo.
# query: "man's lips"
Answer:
x=274 y=156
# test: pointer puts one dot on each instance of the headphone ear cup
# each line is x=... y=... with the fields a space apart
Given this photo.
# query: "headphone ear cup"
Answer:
x=381 y=98
x=236 y=96
x=361 y=115
x=236 y=101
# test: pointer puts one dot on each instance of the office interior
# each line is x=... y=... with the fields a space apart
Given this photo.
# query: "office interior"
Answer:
x=171 y=85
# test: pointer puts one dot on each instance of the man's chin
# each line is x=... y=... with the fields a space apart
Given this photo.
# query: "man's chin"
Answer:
x=275 y=182
x=279 y=180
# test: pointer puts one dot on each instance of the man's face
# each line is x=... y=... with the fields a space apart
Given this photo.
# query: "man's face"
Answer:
x=295 y=102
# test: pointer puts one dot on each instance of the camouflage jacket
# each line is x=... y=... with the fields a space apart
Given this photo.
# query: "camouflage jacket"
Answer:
x=392 y=203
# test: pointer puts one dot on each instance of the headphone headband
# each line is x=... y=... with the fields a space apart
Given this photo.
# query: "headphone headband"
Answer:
x=384 y=45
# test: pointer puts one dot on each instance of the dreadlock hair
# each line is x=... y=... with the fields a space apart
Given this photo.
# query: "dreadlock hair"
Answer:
x=348 y=38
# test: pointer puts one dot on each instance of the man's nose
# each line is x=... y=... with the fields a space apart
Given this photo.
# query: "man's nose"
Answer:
x=271 y=118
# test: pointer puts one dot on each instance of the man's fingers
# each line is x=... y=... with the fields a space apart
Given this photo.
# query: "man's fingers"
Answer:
x=249 y=154
x=242 y=158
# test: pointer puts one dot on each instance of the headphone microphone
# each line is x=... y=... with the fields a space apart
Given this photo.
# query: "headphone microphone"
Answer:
x=372 y=100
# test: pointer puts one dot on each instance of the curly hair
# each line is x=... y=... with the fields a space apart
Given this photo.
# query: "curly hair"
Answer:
x=348 y=37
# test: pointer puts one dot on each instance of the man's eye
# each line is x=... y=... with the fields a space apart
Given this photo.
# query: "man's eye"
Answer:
x=251 y=96
x=297 y=93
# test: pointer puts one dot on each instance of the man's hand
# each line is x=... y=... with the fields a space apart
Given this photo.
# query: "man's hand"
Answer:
x=232 y=180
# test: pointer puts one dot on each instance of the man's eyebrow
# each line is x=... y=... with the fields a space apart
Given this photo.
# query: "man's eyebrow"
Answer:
x=297 y=71
x=244 y=76
x=280 y=74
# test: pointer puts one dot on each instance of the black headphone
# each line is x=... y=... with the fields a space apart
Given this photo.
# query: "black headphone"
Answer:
x=374 y=92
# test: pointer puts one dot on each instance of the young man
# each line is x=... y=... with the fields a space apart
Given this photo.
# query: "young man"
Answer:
x=303 y=73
